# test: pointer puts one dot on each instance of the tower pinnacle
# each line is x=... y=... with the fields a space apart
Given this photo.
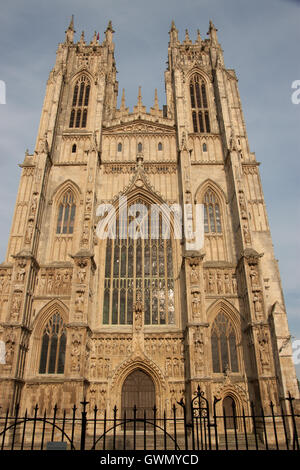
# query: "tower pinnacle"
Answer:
x=213 y=33
x=173 y=33
x=70 y=31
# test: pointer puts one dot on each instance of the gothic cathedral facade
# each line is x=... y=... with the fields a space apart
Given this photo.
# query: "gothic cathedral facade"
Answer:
x=141 y=320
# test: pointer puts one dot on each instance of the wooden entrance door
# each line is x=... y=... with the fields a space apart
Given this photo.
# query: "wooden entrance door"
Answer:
x=138 y=389
x=228 y=404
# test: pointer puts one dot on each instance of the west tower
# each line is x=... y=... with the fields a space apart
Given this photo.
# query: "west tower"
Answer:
x=108 y=318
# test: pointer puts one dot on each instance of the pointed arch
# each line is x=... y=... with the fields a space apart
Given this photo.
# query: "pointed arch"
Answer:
x=214 y=203
x=80 y=101
x=223 y=305
x=139 y=258
x=213 y=186
x=76 y=76
x=144 y=364
x=49 y=339
x=197 y=71
x=46 y=312
x=199 y=102
x=65 y=201
x=67 y=185
x=225 y=334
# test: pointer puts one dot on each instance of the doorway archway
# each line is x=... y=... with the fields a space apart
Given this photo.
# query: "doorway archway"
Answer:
x=138 y=390
x=228 y=407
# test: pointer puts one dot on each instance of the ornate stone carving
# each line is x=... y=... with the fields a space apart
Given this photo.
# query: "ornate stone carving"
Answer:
x=196 y=305
x=10 y=343
x=220 y=281
x=29 y=232
x=53 y=281
x=16 y=305
x=76 y=352
x=263 y=350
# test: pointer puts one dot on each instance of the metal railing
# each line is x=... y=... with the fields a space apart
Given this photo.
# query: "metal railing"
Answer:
x=193 y=426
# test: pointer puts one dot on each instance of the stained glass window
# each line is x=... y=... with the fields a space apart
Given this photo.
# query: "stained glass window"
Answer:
x=66 y=214
x=223 y=343
x=52 y=358
x=212 y=217
x=143 y=263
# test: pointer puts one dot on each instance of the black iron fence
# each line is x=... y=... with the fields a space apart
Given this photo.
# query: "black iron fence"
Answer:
x=193 y=426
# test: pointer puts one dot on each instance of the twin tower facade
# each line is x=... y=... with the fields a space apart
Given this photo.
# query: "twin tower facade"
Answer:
x=124 y=320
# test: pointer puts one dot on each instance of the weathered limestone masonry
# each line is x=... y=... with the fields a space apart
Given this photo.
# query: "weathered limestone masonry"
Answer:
x=125 y=321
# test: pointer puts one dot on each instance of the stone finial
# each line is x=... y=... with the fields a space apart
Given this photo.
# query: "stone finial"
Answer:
x=187 y=37
x=173 y=33
x=70 y=31
x=213 y=33
x=82 y=41
x=123 y=106
x=140 y=103
x=109 y=27
x=173 y=27
x=94 y=41
x=123 y=110
x=198 y=40
x=109 y=32
x=139 y=108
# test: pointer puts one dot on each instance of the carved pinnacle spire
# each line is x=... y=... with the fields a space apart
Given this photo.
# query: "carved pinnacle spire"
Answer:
x=140 y=103
x=82 y=41
x=109 y=27
x=70 y=31
x=173 y=27
x=198 y=36
x=94 y=41
x=109 y=32
x=173 y=33
x=156 y=106
x=213 y=33
x=187 y=37
x=123 y=105
x=139 y=108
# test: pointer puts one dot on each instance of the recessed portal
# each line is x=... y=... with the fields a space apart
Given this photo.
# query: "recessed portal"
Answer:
x=139 y=390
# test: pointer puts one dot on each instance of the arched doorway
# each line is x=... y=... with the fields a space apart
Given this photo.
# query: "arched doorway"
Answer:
x=138 y=390
x=228 y=407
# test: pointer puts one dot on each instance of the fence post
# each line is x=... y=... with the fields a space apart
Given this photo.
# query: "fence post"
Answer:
x=83 y=424
x=295 y=434
x=216 y=400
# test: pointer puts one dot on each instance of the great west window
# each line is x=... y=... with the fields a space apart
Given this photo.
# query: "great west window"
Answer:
x=141 y=263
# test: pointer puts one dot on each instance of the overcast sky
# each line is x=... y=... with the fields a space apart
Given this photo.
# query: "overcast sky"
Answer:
x=260 y=40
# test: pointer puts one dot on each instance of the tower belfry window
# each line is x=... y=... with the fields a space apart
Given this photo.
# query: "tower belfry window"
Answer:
x=212 y=215
x=199 y=105
x=66 y=214
x=80 y=101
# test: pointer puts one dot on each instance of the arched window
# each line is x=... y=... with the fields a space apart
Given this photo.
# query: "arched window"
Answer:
x=66 y=214
x=80 y=103
x=212 y=216
x=223 y=344
x=52 y=358
x=140 y=147
x=119 y=147
x=160 y=147
x=141 y=263
x=204 y=147
x=199 y=104
x=74 y=148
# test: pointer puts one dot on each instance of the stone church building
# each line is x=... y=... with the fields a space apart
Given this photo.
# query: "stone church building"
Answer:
x=124 y=320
